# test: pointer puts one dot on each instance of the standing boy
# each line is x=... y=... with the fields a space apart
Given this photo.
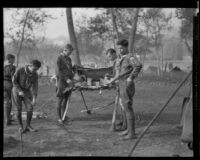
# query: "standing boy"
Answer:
x=9 y=70
x=129 y=68
x=112 y=56
x=25 y=89
x=64 y=76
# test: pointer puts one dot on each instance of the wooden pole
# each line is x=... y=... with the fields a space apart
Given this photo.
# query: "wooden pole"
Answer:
x=158 y=113
x=115 y=109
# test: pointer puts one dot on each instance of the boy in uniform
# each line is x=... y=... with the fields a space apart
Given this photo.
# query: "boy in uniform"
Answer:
x=129 y=68
x=25 y=89
x=64 y=74
x=9 y=70
x=113 y=57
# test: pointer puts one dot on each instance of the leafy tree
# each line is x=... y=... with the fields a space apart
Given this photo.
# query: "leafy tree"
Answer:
x=88 y=42
x=156 y=23
x=26 y=21
x=133 y=30
x=105 y=28
x=114 y=22
x=186 y=29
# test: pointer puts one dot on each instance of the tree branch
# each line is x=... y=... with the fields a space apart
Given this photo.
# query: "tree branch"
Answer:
x=188 y=46
x=133 y=30
x=22 y=39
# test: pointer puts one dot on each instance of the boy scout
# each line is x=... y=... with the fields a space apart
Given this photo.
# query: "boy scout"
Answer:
x=129 y=68
x=113 y=57
x=25 y=89
x=64 y=74
x=9 y=70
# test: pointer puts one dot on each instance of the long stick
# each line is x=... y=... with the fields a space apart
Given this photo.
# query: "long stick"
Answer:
x=156 y=116
x=66 y=109
x=115 y=109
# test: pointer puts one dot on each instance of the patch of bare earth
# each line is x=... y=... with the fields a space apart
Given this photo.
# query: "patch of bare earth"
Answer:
x=89 y=135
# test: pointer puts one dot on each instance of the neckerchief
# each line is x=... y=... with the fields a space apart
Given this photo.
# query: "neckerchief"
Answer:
x=28 y=75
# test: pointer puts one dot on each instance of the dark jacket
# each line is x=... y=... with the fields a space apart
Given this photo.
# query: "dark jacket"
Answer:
x=23 y=80
x=9 y=71
x=64 y=67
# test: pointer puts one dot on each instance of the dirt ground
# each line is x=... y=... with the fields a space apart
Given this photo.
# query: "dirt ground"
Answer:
x=89 y=135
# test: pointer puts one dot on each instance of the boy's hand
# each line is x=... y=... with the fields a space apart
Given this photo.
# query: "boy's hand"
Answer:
x=109 y=83
x=21 y=94
x=69 y=81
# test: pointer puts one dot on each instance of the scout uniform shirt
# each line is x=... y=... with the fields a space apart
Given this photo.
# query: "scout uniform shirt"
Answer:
x=129 y=67
x=24 y=80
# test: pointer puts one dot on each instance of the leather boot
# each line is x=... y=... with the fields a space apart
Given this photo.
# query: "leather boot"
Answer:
x=124 y=125
x=28 y=122
x=120 y=122
x=130 y=125
x=19 y=119
x=131 y=130
x=125 y=129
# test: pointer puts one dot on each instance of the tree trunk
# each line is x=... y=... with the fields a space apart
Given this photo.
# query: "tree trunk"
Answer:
x=113 y=39
x=157 y=54
x=188 y=47
x=115 y=28
x=133 y=30
x=22 y=39
x=145 y=52
x=162 y=60
x=158 y=61
x=73 y=41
